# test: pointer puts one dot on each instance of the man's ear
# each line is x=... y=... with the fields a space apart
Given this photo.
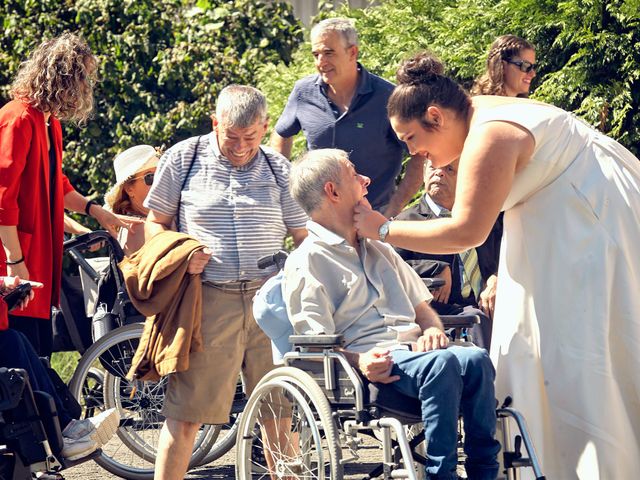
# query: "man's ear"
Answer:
x=214 y=121
x=353 y=51
x=331 y=191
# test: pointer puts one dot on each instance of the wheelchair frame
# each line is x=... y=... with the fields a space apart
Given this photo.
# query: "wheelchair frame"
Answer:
x=342 y=393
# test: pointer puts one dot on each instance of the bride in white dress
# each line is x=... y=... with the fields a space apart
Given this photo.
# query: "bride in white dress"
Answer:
x=566 y=335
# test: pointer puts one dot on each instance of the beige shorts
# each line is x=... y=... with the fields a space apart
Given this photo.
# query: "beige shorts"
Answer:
x=232 y=342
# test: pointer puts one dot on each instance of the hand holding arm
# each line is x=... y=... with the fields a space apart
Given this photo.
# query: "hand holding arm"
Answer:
x=487 y=301
x=109 y=221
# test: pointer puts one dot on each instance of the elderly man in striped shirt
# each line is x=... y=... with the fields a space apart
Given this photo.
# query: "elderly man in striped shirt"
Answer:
x=232 y=195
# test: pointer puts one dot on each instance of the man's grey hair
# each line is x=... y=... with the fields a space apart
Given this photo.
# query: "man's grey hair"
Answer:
x=311 y=172
x=341 y=25
x=241 y=106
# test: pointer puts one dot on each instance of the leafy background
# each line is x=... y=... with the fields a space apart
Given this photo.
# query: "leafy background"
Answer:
x=162 y=65
x=588 y=51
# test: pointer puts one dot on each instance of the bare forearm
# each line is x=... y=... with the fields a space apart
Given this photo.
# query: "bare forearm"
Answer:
x=409 y=185
x=73 y=227
x=10 y=242
x=281 y=144
x=426 y=317
x=156 y=223
x=437 y=236
x=75 y=202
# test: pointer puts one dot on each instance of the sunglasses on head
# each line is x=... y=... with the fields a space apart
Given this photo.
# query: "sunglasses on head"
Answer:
x=147 y=177
x=523 y=65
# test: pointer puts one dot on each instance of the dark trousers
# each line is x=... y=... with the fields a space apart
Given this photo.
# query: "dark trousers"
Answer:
x=17 y=352
x=39 y=332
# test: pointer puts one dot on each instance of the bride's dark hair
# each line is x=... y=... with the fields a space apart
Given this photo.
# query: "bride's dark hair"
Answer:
x=422 y=83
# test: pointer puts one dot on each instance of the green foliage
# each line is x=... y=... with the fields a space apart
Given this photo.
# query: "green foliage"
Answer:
x=588 y=51
x=161 y=65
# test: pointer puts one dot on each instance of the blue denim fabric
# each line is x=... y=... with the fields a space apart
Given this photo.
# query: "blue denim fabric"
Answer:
x=447 y=382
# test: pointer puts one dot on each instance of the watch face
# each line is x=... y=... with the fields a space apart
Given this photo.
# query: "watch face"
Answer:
x=383 y=230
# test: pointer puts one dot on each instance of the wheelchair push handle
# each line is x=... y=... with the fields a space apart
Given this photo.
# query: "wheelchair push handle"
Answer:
x=87 y=240
x=276 y=259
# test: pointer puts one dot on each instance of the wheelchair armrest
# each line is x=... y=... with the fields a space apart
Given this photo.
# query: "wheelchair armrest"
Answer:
x=318 y=341
x=459 y=321
x=433 y=283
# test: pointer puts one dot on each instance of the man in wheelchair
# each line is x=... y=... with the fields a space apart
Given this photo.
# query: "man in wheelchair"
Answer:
x=336 y=283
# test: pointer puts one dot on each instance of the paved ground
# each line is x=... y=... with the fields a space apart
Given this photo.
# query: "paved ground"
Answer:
x=224 y=468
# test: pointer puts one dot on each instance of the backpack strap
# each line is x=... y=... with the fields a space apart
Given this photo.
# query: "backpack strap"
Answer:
x=186 y=177
x=273 y=172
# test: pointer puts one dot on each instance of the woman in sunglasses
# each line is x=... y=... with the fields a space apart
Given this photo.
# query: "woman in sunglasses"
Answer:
x=135 y=168
x=566 y=319
x=511 y=66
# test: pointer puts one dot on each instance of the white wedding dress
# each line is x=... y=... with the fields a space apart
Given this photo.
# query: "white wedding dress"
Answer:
x=566 y=334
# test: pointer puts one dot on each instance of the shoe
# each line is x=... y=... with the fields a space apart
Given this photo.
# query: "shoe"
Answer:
x=100 y=428
x=82 y=437
x=77 y=449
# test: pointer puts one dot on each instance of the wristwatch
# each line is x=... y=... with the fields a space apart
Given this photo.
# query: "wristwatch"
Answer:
x=383 y=231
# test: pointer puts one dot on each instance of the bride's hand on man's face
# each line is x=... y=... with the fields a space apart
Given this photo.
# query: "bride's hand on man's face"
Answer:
x=366 y=220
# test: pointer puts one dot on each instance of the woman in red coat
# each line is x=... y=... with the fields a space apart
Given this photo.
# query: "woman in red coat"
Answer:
x=55 y=83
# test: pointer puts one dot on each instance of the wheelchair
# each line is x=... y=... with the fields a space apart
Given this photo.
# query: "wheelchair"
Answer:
x=310 y=416
x=30 y=436
x=99 y=381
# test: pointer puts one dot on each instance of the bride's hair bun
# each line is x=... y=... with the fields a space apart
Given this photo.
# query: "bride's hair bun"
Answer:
x=421 y=68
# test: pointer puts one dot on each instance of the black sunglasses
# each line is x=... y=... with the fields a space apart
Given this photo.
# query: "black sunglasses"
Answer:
x=147 y=177
x=523 y=65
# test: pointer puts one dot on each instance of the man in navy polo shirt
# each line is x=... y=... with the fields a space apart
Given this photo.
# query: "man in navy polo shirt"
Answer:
x=344 y=106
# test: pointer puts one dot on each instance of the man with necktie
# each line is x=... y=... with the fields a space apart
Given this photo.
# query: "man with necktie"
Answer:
x=470 y=276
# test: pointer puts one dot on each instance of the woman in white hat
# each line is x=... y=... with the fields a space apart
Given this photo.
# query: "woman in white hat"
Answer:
x=134 y=169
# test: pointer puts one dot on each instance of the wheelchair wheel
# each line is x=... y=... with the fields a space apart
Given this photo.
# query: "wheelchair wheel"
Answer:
x=287 y=430
x=226 y=434
x=99 y=383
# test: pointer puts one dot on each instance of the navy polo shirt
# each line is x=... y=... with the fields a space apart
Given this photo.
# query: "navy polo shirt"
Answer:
x=363 y=131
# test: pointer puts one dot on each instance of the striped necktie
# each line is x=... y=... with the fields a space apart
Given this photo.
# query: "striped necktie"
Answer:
x=472 y=279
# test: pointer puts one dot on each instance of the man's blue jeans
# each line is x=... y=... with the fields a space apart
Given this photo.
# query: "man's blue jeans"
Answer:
x=448 y=382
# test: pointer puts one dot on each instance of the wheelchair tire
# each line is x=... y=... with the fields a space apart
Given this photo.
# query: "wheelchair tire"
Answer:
x=131 y=453
x=309 y=448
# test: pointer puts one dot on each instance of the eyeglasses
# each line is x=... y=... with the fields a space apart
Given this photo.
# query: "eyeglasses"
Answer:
x=523 y=65
x=147 y=177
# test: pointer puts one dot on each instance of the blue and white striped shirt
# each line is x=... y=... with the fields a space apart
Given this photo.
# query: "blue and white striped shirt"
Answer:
x=240 y=213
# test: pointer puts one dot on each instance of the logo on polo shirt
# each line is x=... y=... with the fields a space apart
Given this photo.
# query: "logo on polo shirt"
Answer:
x=359 y=125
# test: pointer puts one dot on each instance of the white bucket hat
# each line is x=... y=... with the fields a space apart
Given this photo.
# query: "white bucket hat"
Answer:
x=126 y=165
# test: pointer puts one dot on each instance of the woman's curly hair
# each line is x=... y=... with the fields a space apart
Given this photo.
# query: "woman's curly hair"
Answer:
x=504 y=47
x=58 y=78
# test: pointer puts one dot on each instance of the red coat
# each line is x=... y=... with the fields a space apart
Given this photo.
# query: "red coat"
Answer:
x=25 y=199
x=4 y=321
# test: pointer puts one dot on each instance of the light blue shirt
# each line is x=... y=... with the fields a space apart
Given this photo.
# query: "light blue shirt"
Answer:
x=369 y=298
